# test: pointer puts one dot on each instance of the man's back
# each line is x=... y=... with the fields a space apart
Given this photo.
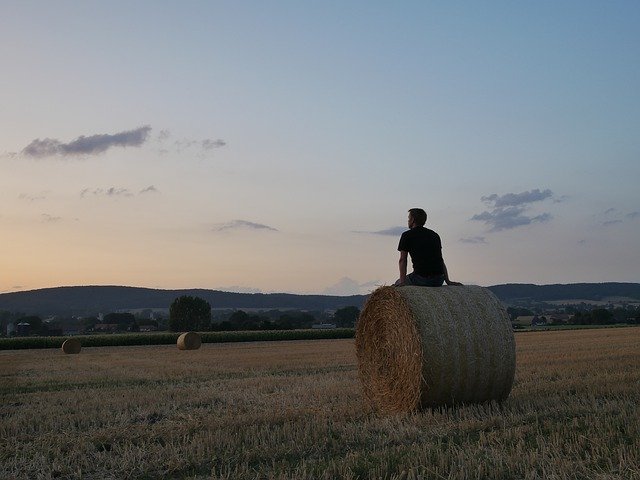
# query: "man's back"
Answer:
x=425 y=248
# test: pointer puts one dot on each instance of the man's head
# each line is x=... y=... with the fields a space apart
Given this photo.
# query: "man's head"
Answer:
x=417 y=217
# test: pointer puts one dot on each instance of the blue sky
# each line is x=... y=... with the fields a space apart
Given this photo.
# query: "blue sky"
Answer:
x=277 y=146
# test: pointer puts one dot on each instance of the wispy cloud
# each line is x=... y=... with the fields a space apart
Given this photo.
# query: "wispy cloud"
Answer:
x=348 y=286
x=508 y=218
x=239 y=289
x=163 y=135
x=511 y=210
x=474 y=240
x=209 y=144
x=516 y=199
x=242 y=224
x=185 y=144
x=86 y=145
x=107 y=192
x=46 y=218
x=149 y=189
x=609 y=223
x=391 y=231
x=613 y=216
x=115 y=192
x=33 y=198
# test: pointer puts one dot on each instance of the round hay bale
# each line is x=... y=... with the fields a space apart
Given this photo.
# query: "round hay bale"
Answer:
x=189 y=341
x=421 y=347
x=71 y=346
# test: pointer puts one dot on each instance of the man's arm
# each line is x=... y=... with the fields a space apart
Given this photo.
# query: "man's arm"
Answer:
x=402 y=264
x=446 y=276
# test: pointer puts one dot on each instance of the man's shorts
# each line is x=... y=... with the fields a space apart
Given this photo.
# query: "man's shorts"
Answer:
x=420 y=281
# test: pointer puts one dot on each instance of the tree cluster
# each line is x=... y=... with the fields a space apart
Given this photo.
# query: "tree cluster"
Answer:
x=126 y=321
x=515 y=312
x=241 y=320
x=188 y=313
x=287 y=320
x=603 y=316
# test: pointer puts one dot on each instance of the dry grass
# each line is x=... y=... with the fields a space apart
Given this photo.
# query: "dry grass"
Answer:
x=294 y=410
x=390 y=354
x=422 y=347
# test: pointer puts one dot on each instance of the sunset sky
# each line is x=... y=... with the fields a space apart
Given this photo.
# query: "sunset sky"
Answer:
x=277 y=146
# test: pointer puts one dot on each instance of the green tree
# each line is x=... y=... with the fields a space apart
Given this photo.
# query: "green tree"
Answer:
x=346 y=317
x=601 y=316
x=243 y=321
x=124 y=320
x=189 y=313
x=35 y=322
x=88 y=322
x=515 y=312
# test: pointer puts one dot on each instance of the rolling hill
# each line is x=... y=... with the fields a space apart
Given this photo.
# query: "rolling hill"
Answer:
x=91 y=300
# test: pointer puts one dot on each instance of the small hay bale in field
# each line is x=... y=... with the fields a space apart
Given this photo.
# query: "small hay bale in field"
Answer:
x=71 y=346
x=189 y=341
x=421 y=347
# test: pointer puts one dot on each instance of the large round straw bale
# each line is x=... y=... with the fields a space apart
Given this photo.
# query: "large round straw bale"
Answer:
x=71 y=346
x=189 y=341
x=421 y=347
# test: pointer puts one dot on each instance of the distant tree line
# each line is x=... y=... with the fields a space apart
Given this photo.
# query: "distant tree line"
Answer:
x=185 y=313
x=603 y=316
x=583 y=316
x=241 y=320
x=193 y=313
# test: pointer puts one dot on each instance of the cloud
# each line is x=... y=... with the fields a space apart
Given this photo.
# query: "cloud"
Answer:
x=109 y=192
x=163 y=135
x=209 y=144
x=391 y=231
x=32 y=198
x=46 y=218
x=508 y=211
x=242 y=224
x=348 y=286
x=516 y=199
x=183 y=144
x=149 y=189
x=474 y=240
x=613 y=216
x=609 y=223
x=239 y=289
x=508 y=218
x=87 y=145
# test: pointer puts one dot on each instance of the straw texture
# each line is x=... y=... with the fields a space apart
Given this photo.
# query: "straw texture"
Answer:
x=421 y=347
x=189 y=341
x=71 y=346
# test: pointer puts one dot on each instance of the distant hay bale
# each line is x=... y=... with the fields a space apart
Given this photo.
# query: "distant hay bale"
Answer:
x=189 y=341
x=421 y=347
x=71 y=346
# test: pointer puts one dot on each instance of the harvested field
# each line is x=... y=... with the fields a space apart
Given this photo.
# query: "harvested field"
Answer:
x=295 y=410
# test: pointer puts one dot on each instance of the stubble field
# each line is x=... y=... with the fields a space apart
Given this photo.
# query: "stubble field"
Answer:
x=294 y=410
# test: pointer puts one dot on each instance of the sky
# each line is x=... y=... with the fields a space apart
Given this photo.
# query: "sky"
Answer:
x=277 y=146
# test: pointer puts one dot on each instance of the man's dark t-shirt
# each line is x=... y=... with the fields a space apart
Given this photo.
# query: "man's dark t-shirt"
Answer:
x=425 y=249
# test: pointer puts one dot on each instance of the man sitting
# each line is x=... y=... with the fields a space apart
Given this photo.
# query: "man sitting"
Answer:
x=425 y=249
